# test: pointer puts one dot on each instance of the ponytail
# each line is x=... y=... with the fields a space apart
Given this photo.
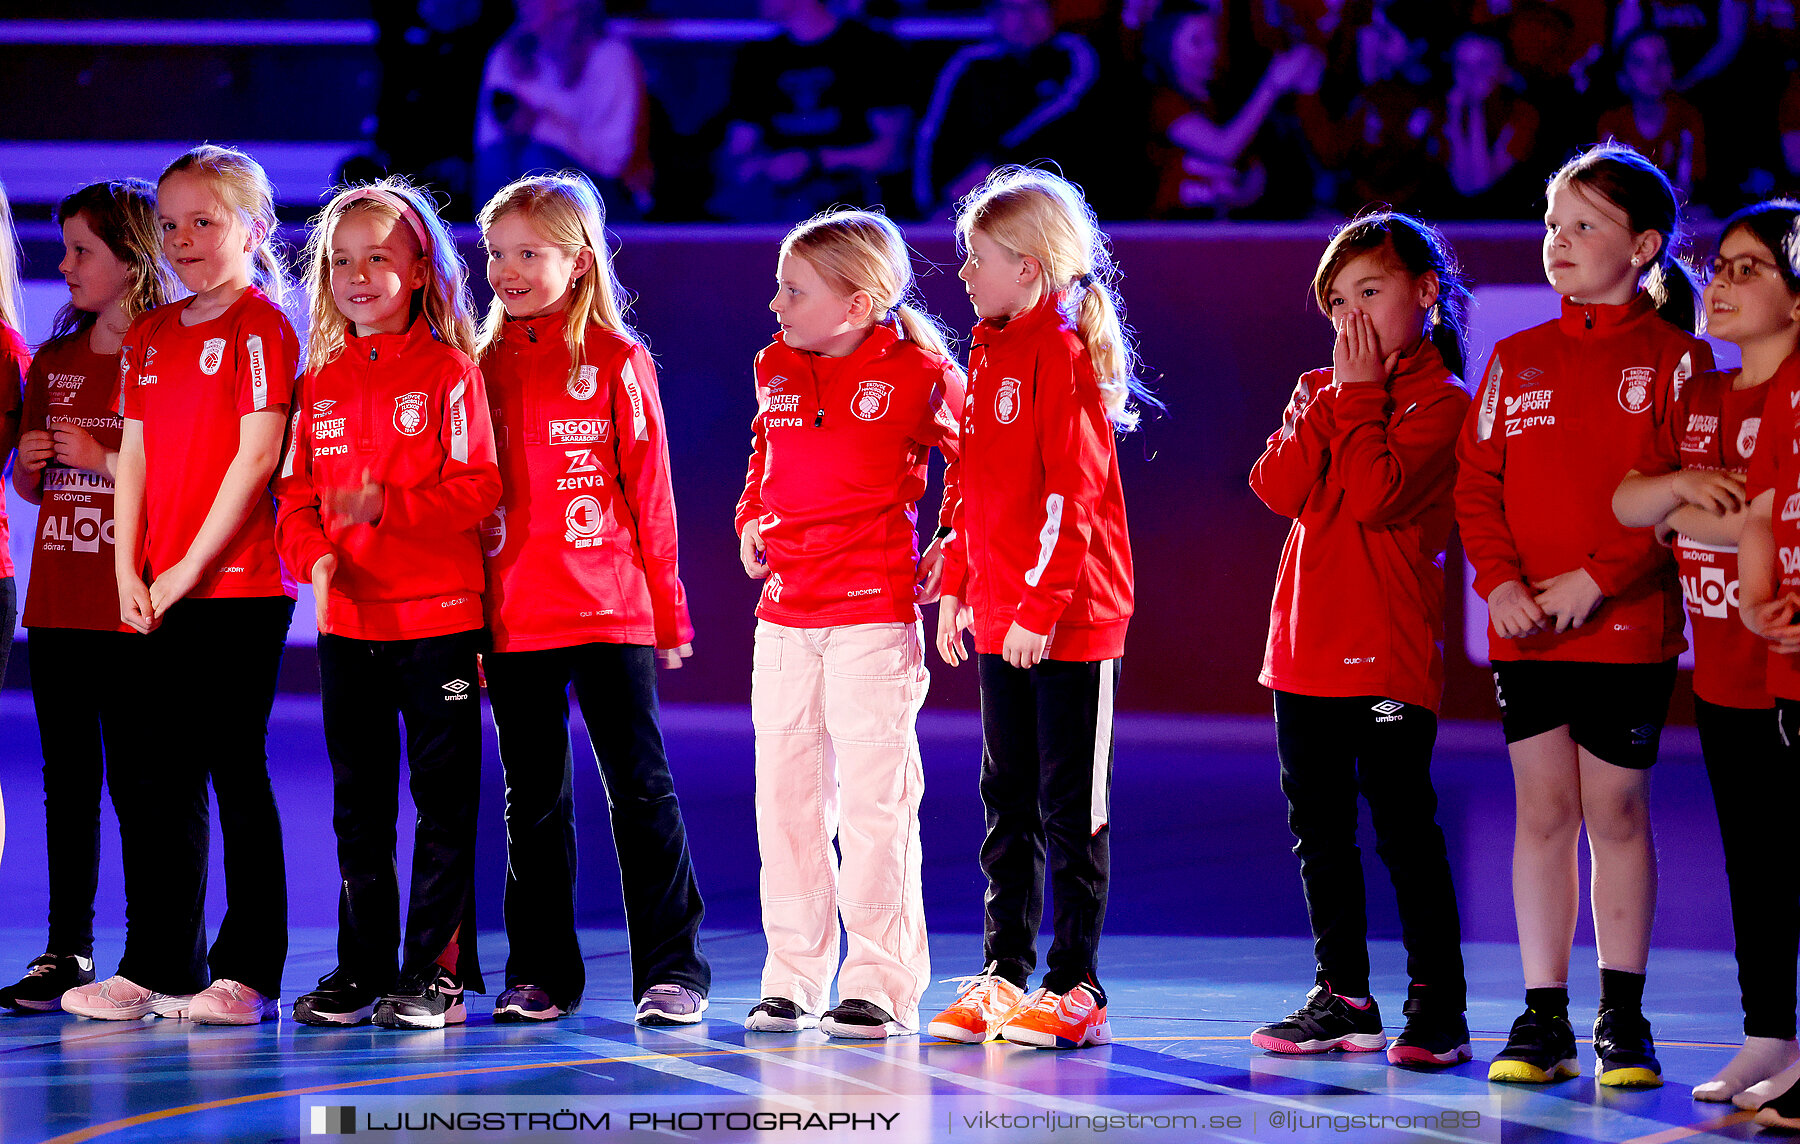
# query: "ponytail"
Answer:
x=923 y=330
x=1674 y=289
x=1110 y=348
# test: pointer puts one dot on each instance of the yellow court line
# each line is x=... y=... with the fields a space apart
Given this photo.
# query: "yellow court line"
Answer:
x=1671 y=1135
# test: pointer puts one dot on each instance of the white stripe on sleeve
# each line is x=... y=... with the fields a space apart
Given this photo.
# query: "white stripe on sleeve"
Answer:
x=459 y=422
x=1053 y=510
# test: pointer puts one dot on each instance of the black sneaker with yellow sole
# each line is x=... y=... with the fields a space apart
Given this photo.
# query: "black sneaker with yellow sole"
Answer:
x=1540 y=1049
x=1627 y=1053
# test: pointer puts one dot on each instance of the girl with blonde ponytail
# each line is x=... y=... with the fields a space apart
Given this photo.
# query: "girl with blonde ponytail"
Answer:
x=853 y=394
x=1039 y=562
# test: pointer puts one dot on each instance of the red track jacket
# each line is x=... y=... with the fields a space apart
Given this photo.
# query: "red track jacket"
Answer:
x=837 y=466
x=1368 y=473
x=1040 y=531
x=1566 y=409
x=583 y=546
x=412 y=413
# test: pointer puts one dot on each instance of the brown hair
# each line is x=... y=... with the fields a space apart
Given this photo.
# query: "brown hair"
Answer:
x=1421 y=249
x=122 y=214
x=1627 y=180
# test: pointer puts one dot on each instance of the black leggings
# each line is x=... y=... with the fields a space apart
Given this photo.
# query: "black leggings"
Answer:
x=1330 y=749
x=1753 y=762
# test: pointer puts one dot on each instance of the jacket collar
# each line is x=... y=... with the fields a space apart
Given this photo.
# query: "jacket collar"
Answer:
x=391 y=345
x=523 y=333
x=1048 y=311
x=881 y=339
x=1423 y=363
x=1602 y=320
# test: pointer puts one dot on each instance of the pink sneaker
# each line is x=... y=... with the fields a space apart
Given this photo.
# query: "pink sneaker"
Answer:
x=120 y=999
x=228 y=1002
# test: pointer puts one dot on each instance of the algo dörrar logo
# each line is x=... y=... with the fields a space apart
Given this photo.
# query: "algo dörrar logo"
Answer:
x=333 y=1121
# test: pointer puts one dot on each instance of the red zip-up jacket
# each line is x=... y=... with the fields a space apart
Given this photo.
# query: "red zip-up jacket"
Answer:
x=411 y=412
x=837 y=466
x=1368 y=473
x=1776 y=466
x=1716 y=427
x=1040 y=533
x=583 y=547
x=1565 y=410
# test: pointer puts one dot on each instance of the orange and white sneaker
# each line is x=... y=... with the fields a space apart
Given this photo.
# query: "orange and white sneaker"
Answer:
x=985 y=1003
x=1047 y=1020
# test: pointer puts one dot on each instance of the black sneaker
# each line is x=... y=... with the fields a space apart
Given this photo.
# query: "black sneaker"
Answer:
x=1432 y=1039
x=45 y=981
x=1627 y=1053
x=1782 y=1112
x=778 y=1015
x=1540 y=1049
x=529 y=1003
x=860 y=1020
x=337 y=1001
x=1324 y=1023
x=428 y=1005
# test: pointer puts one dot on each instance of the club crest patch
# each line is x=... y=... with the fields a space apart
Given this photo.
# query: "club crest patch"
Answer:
x=409 y=413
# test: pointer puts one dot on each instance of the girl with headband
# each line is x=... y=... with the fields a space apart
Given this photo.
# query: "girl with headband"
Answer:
x=389 y=470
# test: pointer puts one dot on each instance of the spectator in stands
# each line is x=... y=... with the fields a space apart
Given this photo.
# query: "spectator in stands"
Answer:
x=561 y=92
x=1013 y=98
x=1212 y=152
x=1381 y=148
x=1661 y=125
x=431 y=55
x=1704 y=36
x=819 y=115
x=1488 y=129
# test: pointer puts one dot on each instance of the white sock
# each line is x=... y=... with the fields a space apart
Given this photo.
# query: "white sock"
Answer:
x=1764 y=1091
x=1759 y=1059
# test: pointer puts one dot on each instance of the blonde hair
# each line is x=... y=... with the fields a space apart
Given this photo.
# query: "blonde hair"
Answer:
x=242 y=185
x=10 y=291
x=863 y=251
x=566 y=211
x=1042 y=215
x=443 y=299
x=122 y=214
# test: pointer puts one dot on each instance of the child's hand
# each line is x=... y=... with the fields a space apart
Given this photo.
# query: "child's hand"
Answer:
x=1571 y=598
x=324 y=568
x=1023 y=649
x=361 y=505
x=750 y=551
x=134 y=605
x=929 y=573
x=1717 y=493
x=76 y=448
x=671 y=657
x=1774 y=621
x=953 y=617
x=172 y=587
x=1356 y=356
x=1515 y=611
x=36 y=449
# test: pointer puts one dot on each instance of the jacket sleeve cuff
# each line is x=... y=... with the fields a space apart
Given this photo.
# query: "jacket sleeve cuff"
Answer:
x=312 y=550
x=1039 y=616
x=1487 y=581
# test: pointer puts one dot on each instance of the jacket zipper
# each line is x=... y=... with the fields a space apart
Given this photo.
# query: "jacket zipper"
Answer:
x=365 y=432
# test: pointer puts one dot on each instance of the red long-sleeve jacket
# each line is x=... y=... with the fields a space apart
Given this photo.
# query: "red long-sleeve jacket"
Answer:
x=1040 y=533
x=837 y=466
x=1565 y=410
x=409 y=412
x=1368 y=472
x=583 y=547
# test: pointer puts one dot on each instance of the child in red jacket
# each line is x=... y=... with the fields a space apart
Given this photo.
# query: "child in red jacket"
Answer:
x=389 y=471
x=853 y=394
x=1040 y=564
x=583 y=590
x=1585 y=616
x=1365 y=463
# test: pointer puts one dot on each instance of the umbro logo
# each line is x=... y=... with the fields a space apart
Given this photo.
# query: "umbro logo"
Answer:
x=1387 y=711
x=457 y=689
x=323 y=407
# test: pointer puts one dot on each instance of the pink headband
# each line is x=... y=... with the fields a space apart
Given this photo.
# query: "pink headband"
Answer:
x=400 y=206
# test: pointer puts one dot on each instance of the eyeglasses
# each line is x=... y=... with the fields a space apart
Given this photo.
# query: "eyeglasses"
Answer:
x=1743 y=268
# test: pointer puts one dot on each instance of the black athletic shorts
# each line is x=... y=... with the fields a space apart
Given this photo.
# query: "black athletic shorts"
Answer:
x=1615 y=711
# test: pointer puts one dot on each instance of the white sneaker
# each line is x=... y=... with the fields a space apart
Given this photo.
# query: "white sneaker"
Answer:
x=121 y=999
x=228 y=1002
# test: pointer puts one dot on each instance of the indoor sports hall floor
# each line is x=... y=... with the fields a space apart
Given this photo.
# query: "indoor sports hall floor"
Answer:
x=1203 y=944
